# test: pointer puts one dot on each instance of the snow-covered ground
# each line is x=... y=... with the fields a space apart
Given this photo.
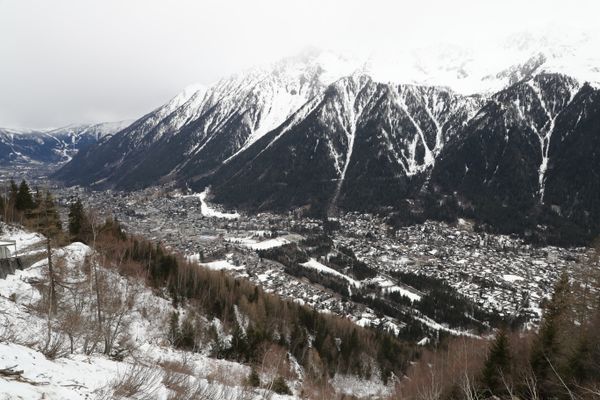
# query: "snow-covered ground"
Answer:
x=222 y=265
x=76 y=375
x=81 y=376
x=208 y=211
x=512 y=278
x=388 y=286
x=314 y=264
x=25 y=241
x=255 y=244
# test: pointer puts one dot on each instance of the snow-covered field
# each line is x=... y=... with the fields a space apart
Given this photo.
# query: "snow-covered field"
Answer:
x=208 y=211
x=222 y=265
x=25 y=241
x=314 y=264
x=255 y=244
x=512 y=278
x=389 y=286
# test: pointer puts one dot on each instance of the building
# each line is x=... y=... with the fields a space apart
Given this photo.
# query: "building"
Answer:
x=5 y=249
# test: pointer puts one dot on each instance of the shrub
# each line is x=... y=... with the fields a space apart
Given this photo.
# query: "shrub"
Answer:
x=280 y=386
x=253 y=379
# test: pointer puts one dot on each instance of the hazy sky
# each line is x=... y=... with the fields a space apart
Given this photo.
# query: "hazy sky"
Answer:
x=70 y=61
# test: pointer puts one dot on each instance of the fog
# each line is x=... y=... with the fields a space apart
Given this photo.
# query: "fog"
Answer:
x=73 y=61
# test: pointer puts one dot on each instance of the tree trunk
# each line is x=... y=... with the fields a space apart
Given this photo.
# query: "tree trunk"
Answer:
x=97 y=295
x=53 y=302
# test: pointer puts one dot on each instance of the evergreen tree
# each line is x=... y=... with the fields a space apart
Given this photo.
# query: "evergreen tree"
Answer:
x=253 y=378
x=24 y=199
x=186 y=339
x=14 y=191
x=8 y=211
x=45 y=219
x=497 y=364
x=547 y=347
x=280 y=386
x=78 y=223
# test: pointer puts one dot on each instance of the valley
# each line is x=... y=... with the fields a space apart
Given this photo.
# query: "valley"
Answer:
x=408 y=211
x=501 y=275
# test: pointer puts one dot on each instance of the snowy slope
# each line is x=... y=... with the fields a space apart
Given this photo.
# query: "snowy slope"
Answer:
x=79 y=376
x=82 y=375
x=201 y=129
x=54 y=146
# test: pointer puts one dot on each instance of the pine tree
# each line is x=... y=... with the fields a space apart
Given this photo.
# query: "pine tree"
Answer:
x=546 y=348
x=280 y=386
x=253 y=378
x=24 y=199
x=497 y=364
x=8 y=212
x=187 y=334
x=14 y=191
x=78 y=223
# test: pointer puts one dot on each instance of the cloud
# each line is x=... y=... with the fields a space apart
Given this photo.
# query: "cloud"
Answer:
x=65 y=61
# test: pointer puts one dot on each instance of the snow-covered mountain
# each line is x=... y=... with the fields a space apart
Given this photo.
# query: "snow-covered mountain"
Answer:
x=327 y=131
x=199 y=130
x=52 y=146
x=532 y=148
x=486 y=68
x=359 y=141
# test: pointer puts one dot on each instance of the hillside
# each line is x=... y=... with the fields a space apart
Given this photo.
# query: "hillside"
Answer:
x=131 y=351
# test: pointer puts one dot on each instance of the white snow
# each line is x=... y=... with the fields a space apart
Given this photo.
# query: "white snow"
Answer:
x=359 y=388
x=512 y=278
x=222 y=265
x=389 y=286
x=439 y=327
x=78 y=376
x=268 y=244
x=25 y=241
x=207 y=211
x=545 y=134
x=314 y=264
x=483 y=68
x=404 y=292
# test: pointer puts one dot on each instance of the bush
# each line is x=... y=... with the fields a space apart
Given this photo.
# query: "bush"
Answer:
x=253 y=378
x=280 y=386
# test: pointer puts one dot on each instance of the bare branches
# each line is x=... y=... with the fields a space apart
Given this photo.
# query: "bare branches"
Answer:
x=10 y=373
x=138 y=382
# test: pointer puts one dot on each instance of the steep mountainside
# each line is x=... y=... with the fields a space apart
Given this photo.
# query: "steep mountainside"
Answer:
x=533 y=145
x=193 y=136
x=323 y=133
x=361 y=144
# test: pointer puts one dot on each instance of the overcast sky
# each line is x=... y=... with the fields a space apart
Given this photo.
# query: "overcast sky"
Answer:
x=71 y=61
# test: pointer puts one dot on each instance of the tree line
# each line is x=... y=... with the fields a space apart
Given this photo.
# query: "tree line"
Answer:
x=559 y=360
x=257 y=322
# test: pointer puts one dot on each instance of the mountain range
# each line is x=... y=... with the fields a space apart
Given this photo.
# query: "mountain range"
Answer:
x=54 y=146
x=515 y=147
